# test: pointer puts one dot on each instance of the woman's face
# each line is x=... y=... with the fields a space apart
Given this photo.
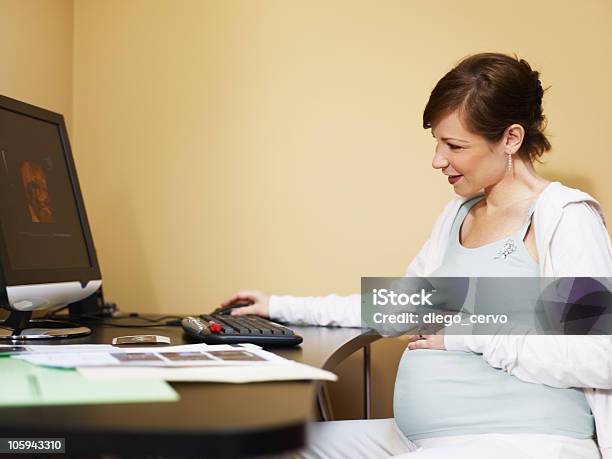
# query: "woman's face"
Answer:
x=469 y=160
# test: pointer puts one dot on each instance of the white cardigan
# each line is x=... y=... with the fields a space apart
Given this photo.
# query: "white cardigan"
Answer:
x=572 y=241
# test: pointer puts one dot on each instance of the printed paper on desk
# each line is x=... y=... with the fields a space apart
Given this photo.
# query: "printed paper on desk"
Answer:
x=288 y=371
x=53 y=348
x=171 y=356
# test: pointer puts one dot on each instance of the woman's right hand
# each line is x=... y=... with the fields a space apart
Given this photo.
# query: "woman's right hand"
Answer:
x=255 y=302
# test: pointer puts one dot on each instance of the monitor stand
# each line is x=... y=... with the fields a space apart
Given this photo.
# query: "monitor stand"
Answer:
x=19 y=326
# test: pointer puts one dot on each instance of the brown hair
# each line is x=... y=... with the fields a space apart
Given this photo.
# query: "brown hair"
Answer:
x=493 y=91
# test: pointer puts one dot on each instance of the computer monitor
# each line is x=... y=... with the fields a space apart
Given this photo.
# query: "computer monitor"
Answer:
x=47 y=255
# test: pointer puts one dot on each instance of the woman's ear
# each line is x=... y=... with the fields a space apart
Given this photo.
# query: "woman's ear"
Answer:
x=513 y=138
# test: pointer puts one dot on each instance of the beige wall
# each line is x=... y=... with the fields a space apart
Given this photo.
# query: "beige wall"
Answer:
x=36 y=52
x=277 y=144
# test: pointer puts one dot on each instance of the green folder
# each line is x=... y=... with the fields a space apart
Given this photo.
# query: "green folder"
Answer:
x=24 y=384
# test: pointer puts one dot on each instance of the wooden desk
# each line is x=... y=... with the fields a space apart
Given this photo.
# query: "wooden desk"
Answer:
x=210 y=420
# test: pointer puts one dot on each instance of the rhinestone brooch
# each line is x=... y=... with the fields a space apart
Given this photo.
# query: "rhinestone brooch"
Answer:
x=508 y=247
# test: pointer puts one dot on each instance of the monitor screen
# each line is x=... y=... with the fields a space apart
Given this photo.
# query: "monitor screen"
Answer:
x=41 y=218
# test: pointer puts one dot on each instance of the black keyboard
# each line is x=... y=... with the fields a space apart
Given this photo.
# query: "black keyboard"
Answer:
x=227 y=329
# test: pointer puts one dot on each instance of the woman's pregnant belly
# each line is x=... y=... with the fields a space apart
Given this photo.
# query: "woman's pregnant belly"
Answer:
x=440 y=393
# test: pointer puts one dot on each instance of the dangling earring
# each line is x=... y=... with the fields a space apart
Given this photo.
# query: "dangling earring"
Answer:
x=509 y=163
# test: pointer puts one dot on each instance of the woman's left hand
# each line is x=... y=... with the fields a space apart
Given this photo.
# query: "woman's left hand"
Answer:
x=427 y=342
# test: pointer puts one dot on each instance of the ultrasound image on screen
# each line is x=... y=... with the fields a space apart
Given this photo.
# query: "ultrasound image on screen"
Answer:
x=37 y=192
x=38 y=211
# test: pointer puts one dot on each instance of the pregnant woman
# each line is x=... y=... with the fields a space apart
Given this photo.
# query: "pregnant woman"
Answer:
x=485 y=396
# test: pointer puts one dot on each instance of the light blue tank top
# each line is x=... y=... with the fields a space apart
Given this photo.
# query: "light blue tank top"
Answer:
x=441 y=393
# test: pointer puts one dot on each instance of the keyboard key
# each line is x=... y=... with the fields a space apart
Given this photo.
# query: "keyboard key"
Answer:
x=227 y=328
x=247 y=325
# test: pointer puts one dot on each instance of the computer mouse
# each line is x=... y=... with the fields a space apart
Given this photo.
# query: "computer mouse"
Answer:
x=226 y=310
